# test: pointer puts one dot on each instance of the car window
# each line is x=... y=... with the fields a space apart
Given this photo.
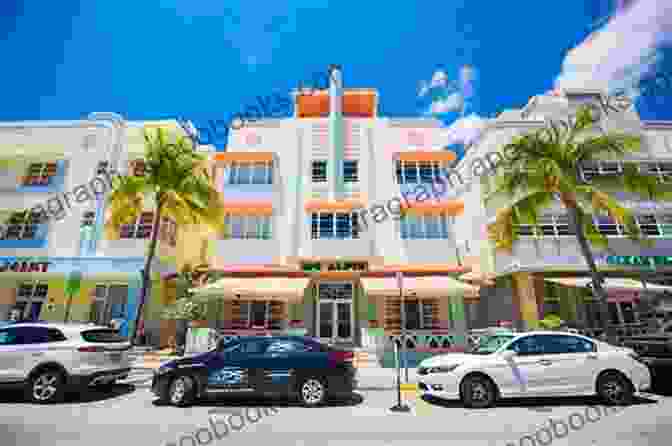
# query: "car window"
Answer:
x=231 y=348
x=529 y=345
x=252 y=347
x=102 y=335
x=285 y=346
x=8 y=337
x=55 y=335
x=32 y=335
x=556 y=344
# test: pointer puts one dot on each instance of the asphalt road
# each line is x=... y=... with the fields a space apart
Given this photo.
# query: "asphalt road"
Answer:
x=129 y=415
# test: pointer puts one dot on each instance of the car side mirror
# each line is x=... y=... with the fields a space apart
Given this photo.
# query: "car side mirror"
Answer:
x=507 y=355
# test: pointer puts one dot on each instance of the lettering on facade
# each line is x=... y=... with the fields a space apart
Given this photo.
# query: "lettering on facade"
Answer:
x=640 y=260
x=24 y=267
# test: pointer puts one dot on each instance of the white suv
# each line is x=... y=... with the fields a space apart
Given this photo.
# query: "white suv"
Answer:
x=48 y=359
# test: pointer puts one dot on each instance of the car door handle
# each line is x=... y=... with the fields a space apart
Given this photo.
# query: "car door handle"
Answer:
x=592 y=356
x=544 y=362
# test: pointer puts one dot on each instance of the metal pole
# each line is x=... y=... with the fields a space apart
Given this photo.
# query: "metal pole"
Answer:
x=403 y=332
x=399 y=407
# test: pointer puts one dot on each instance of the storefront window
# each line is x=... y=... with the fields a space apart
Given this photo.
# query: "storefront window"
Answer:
x=29 y=300
x=109 y=303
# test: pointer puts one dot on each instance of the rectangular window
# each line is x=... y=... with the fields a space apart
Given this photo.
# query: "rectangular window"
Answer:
x=339 y=225
x=141 y=229
x=319 y=171
x=248 y=227
x=109 y=303
x=30 y=296
x=40 y=174
x=259 y=314
x=102 y=168
x=238 y=173
x=168 y=231
x=421 y=314
x=424 y=227
x=412 y=172
x=548 y=226
x=138 y=168
x=606 y=225
x=88 y=219
x=350 y=171
x=25 y=225
x=648 y=225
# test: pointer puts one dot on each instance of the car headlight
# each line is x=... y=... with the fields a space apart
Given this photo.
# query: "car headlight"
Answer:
x=442 y=369
x=637 y=358
x=163 y=370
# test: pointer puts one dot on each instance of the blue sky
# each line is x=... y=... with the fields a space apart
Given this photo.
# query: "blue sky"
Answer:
x=207 y=59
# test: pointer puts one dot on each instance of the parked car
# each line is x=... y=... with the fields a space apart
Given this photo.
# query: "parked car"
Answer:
x=259 y=366
x=536 y=364
x=48 y=359
x=492 y=342
x=655 y=349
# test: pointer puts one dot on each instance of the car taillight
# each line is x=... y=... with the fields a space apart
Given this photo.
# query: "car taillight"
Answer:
x=90 y=349
x=341 y=357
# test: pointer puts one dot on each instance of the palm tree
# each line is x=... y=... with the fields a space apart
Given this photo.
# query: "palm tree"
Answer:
x=543 y=167
x=177 y=179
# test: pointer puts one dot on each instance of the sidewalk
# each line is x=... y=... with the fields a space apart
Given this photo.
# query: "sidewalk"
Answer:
x=378 y=378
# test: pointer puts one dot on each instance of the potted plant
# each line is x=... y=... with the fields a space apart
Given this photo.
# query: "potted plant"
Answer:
x=186 y=313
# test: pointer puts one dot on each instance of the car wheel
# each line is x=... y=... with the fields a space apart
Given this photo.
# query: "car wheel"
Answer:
x=478 y=392
x=312 y=392
x=181 y=391
x=615 y=389
x=47 y=386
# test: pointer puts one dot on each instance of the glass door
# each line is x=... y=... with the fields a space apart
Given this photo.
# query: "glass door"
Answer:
x=335 y=315
x=325 y=323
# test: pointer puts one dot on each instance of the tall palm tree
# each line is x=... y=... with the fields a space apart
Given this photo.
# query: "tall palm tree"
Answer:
x=177 y=180
x=543 y=167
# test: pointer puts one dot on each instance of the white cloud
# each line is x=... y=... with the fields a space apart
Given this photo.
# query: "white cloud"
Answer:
x=465 y=131
x=453 y=102
x=618 y=55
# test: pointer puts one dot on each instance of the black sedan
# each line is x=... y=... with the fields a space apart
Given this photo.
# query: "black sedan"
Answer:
x=260 y=366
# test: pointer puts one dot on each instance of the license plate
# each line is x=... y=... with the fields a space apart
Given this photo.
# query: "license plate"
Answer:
x=116 y=357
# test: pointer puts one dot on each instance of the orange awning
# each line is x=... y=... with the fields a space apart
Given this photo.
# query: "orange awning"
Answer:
x=329 y=205
x=452 y=207
x=442 y=156
x=243 y=157
x=248 y=208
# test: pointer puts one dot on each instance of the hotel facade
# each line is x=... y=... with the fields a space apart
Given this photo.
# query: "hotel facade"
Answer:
x=331 y=216
x=57 y=261
x=545 y=272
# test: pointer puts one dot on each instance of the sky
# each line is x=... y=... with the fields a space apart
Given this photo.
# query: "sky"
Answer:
x=208 y=59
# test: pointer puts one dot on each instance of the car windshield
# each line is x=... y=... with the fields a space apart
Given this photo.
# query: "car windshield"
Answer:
x=490 y=344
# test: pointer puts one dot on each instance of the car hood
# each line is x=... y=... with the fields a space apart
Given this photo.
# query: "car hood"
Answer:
x=200 y=358
x=450 y=359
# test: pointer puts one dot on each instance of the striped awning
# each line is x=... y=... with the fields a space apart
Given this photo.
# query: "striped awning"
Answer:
x=285 y=288
x=429 y=286
x=441 y=156
x=615 y=284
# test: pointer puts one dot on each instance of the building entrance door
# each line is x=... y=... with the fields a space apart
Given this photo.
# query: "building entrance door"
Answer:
x=335 y=315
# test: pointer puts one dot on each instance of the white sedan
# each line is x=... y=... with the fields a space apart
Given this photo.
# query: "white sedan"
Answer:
x=535 y=364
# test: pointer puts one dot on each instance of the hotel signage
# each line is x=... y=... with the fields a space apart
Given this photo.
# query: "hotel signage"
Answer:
x=335 y=266
x=639 y=260
x=24 y=266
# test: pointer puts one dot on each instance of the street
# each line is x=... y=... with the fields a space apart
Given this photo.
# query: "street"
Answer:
x=128 y=415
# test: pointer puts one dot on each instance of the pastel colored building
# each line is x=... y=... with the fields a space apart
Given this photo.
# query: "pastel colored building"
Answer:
x=55 y=256
x=545 y=273
x=325 y=209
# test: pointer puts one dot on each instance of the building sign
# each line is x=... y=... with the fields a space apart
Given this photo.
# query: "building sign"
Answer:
x=24 y=266
x=335 y=266
x=640 y=260
x=347 y=266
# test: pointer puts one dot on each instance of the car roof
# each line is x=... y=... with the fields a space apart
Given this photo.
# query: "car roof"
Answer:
x=275 y=338
x=551 y=332
x=73 y=327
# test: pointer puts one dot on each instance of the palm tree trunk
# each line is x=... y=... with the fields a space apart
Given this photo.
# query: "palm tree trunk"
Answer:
x=576 y=220
x=146 y=272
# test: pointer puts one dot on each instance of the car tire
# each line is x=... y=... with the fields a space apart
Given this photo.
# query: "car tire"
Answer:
x=181 y=391
x=312 y=392
x=46 y=387
x=615 y=389
x=478 y=392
